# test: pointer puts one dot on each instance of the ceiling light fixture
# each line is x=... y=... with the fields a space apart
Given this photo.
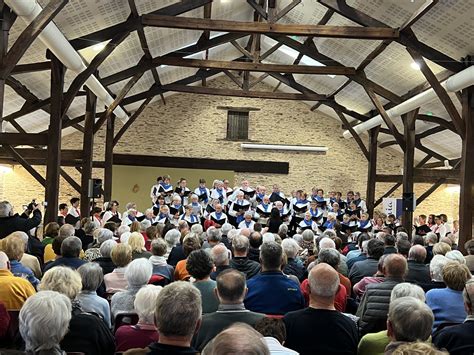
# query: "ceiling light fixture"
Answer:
x=5 y=169
x=415 y=66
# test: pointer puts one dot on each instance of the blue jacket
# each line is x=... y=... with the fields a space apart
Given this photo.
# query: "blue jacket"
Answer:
x=18 y=269
x=272 y=292
x=73 y=263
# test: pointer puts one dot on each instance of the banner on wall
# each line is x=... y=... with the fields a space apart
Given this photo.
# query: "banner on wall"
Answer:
x=392 y=206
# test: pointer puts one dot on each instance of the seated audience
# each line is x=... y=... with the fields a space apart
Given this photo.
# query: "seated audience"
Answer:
x=174 y=251
x=176 y=302
x=430 y=240
x=92 y=277
x=121 y=256
x=360 y=287
x=447 y=303
x=274 y=334
x=294 y=266
x=87 y=332
x=28 y=260
x=43 y=322
x=231 y=291
x=14 y=290
x=105 y=260
x=240 y=261
x=469 y=246
x=409 y=320
x=225 y=229
x=368 y=267
x=255 y=241
x=53 y=251
x=158 y=260
x=375 y=343
x=189 y=244
x=374 y=304
x=200 y=266
x=10 y=222
x=456 y=255
x=272 y=292
x=100 y=235
x=320 y=329
x=441 y=248
x=220 y=256
x=70 y=249
x=436 y=269
x=137 y=243
x=418 y=348
x=144 y=332
x=51 y=231
x=137 y=274
x=389 y=241
x=458 y=339
x=418 y=271
x=14 y=247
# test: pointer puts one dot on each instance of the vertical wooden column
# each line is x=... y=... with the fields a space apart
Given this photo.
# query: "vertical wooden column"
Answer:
x=372 y=169
x=6 y=22
x=87 y=151
x=408 y=164
x=109 y=157
x=466 y=197
x=53 y=162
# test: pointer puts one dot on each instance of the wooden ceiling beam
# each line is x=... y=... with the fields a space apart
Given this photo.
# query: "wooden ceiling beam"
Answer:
x=130 y=121
x=416 y=179
x=254 y=67
x=357 y=138
x=189 y=23
x=132 y=24
x=31 y=67
x=422 y=10
x=286 y=10
x=240 y=93
x=258 y=9
x=17 y=156
x=13 y=139
x=29 y=34
x=440 y=164
x=405 y=38
x=419 y=136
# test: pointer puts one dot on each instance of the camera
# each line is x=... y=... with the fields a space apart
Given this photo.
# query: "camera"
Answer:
x=32 y=205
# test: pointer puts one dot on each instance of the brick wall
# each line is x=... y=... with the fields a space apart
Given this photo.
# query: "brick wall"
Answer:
x=190 y=125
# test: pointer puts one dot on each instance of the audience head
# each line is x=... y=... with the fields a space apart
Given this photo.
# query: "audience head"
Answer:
x=239 y=338
x=326 y=243
x=402 y=236
x=71 y=247
x=330 y=257
x=375 y=248
x=51 y=230
x=323 y=283
x=389 y=240
x=418 y=348
x=255 y=240
x=63 y=280
x=268 y=237
x=395 y=266
x=441 y=248
x=469 y=246
x=213 y=236
x=91 y=276
x=283 y=230
x=436 y=267
x=455 y=275
x=172 y=237
x=136 y=242
x=145 y=303
x=403 y=247
x=290 y=247
x=240 y=245
x=14 y=247
x=178 y=301
x=6 y=209
x=4 y=262
x=409 y=319
x=121 y=255
x=103 y=234
x=66 y=230
x=231 y=287
x=418 y=240
x=272 y=327
x=158 y=247
x=308 y=235
x=446 y=240
x=431 y=238
x=106 y=248
x=138 y=272
x=417 y=253
x=199 y=264
x=226 y=227
x=220 y=255
x=190 y=244
x=44 y=321
x=271 y=256
x=406 y=289
x=468 y=295
x=456 y=255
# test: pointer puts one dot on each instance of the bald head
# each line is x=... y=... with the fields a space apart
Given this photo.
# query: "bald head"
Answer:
x=323 y=281
x=4 y=264
x=417 y=253
x=395 y=265
x=220 y=255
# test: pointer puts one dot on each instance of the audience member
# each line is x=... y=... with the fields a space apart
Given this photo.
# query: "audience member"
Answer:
x=447 y=303
x=100 y=236
x=436 y=269
x=189 y=244
x=137 y=244
x=158 y=260
x=14 y=291
x=70 y=249
x=403 y=247
x=92 y=277
x=239 y=338
x=469 y=246
x=28 y=260
x=360 y=287
x=240 y=261
x=115 y=281
x=441 y=248
x=144 y=332
x=430 y=240
x=220 y=256
x=225 y=229
x=255 y=241
x=175 y=247
x=418 y=271
x=87 y=332
x=230 y=291
x=272 y=292
x=274 y=334
x=320 y=329
x=199 y=265
x=368 y=267
x=294 y=266
x=10 y=222
x=137 y=274
x=409 y=320
x=14 y=247
x=43 y=322
x=105 y=260
x=374 y=304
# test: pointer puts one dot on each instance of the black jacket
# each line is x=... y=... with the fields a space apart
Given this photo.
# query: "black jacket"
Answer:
x=254 y=254
x=418 y=273
x=296 y=269
x=457 y=339
x=249 y=267
x=176 y=255
x=17 y=223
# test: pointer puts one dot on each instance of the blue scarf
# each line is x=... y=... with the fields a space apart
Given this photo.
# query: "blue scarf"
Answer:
x=165 y=186
x=265 y=207
x=319 y=199
x=316 y=214
x=248 y=224
x=261 y=196
x=203 y=190
x=329 y=225
x=133 y=219
x=218 y=215
x=363 y=223
x=221 y=195
x=196 y=204
x=301 y=201
x=177 y=207
x=162 y=215
x=193 y=218
x=308 y=223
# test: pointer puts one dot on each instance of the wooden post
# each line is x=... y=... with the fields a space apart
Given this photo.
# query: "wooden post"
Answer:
x=53 y=163
x=466 y=197
x=6 y=17
x=87 y=148
x=408 y=164
x=372 y=169
x=109 y=154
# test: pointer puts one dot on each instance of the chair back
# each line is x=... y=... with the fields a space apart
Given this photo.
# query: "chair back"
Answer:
x=125 y=318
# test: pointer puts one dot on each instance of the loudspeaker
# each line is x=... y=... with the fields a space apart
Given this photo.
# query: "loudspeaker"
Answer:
x=408 y=202
x=95 y=188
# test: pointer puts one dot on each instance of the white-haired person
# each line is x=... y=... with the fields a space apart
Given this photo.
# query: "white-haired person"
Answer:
x=100 y=235
x=238 y=208
x=44 y=321
x=294 y=265
x=307 y=223
x=158 y=260
x=247 y=222
x=92 y=277
x=137 y=274
x=137 y=244
x=189 y=216
x=375 y=343
x=87 y=333
x=218 y=216
x=172 y=239
x=105 y=260
x=437 y=264
x=121 y=256
x=144 y=332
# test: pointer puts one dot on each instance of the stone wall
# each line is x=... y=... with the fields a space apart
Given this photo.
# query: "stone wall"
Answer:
x=191 y=125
